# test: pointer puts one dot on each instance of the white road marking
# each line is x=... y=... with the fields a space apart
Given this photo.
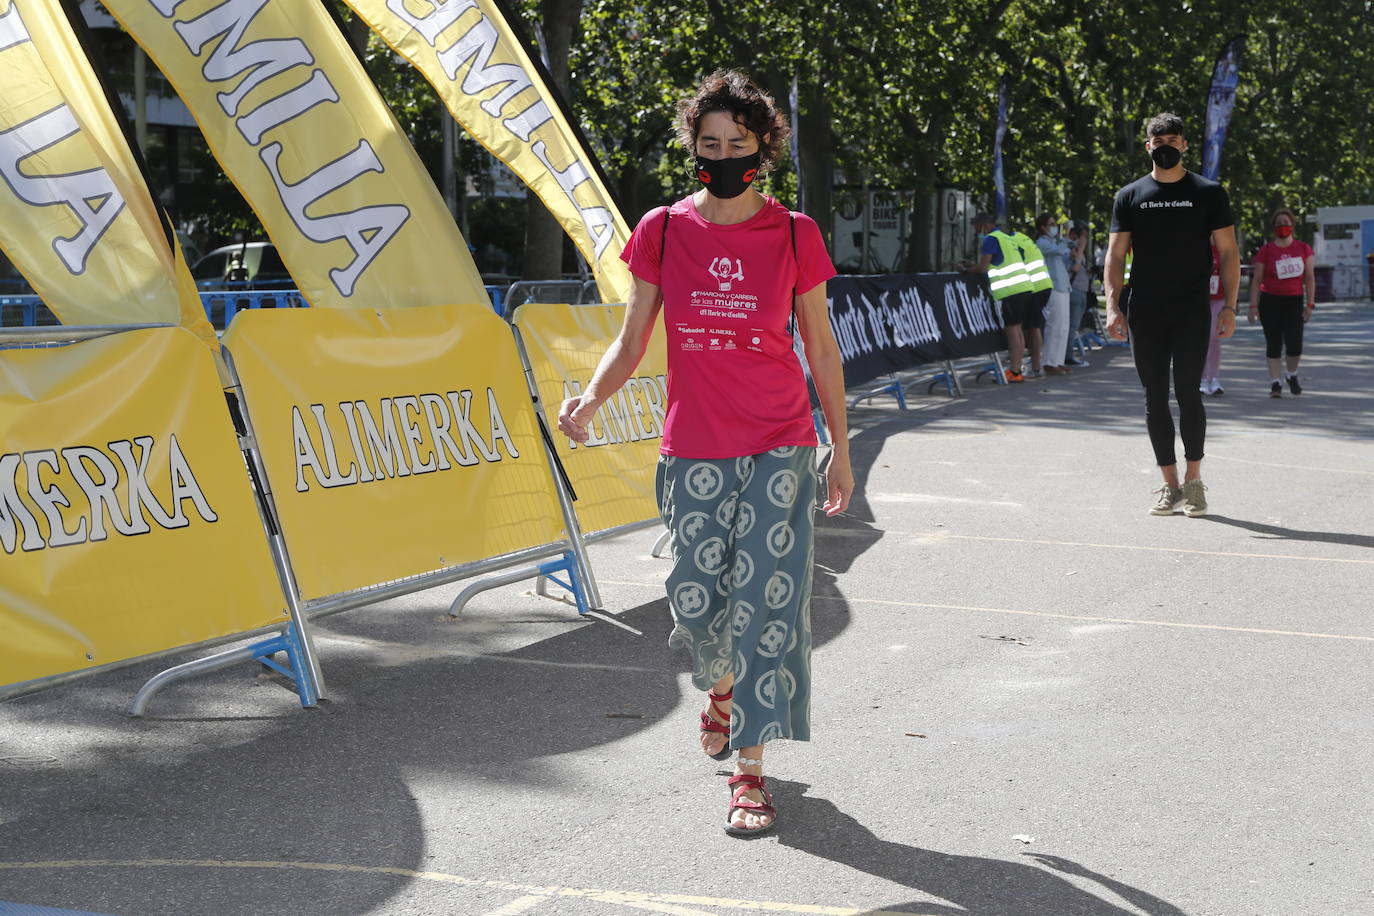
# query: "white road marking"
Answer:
x=933 y=498
x=1296 y=467
x=850 y=599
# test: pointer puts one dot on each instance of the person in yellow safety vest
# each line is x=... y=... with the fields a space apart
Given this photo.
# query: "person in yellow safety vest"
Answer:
x=1041 y=285
x=1000 y=258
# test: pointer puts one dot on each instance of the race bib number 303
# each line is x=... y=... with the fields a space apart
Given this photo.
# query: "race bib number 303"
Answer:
x=1288 y=268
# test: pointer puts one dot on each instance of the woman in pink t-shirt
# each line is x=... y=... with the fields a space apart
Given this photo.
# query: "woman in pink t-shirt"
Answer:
x=731 y=269
x=1283 y=292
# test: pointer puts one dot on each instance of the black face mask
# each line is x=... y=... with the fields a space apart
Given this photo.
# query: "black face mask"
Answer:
x=727 y=178
x=1166 y=156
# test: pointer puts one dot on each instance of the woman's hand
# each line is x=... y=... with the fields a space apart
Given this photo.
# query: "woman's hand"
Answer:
x=839 y=483
x=575 y=415
x=1251 y=314
x=1307 y=313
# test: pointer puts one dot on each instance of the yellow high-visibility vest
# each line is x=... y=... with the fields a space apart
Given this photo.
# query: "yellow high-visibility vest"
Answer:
x=1036 y=268
x=1010 y=277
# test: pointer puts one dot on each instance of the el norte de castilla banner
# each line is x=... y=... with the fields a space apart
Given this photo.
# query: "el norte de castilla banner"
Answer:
x=299 y=128
x=887 y=324
x=467 y=50
x=76 y=216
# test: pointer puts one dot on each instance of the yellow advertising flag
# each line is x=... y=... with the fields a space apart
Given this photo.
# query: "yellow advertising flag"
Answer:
x=395 y=442
x=613 y=472
x=76 y=217
x=288 y=111
x=128 y=524
x=469 y=53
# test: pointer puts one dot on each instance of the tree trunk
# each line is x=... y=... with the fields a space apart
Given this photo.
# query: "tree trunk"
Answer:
x=816 y=150
x=922 y=218
x=544 y=237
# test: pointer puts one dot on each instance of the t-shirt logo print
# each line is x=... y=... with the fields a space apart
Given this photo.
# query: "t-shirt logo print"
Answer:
x=726 y=271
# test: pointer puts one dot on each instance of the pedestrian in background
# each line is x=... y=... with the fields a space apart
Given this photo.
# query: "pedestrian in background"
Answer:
x=737 y=474
x=1167 y=218
x=1055 y=251
x=1034 y=324
x=1080 y=287
x=999 y=256
x=1211 y=370
x=1283 y=291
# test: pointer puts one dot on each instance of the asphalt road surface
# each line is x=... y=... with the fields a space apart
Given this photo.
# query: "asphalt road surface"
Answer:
x=1032 y=698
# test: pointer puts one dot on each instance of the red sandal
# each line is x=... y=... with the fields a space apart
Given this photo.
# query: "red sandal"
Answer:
x=745 y=783
x=709 y=725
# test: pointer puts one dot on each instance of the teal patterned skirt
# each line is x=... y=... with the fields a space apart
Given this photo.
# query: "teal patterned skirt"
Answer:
x=740 y=587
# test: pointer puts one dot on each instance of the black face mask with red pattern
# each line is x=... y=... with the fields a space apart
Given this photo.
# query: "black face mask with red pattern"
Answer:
x=728 y=178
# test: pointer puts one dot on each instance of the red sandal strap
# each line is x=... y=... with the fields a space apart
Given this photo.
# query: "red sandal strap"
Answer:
x=711 y=725
x=722 y=697
x=743 y=783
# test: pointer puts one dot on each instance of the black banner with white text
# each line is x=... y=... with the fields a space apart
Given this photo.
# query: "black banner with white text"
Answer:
x=897 y=322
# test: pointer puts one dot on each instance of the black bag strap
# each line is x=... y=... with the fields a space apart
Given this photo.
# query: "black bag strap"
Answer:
x=663 y=243
x=792 y=226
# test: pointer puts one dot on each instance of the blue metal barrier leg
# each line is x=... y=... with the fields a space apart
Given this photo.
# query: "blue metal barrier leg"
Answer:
x=287 y=641
x=567 y=563
x=290 y=643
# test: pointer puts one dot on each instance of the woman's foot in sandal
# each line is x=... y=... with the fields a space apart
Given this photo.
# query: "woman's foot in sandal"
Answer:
x=751 y=804
x=715 y=723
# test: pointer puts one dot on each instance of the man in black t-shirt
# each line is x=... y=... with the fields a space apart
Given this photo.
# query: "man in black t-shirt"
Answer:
x=1169 y=219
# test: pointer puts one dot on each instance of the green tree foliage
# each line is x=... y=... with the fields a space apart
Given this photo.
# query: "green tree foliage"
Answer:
x=908 y=89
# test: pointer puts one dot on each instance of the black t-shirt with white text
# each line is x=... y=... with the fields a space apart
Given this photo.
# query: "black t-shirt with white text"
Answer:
x=1171 y=226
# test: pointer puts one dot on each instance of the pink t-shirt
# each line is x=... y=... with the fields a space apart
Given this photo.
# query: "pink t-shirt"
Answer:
x=1283 y=267
x=735 y=386
x=1214 y=285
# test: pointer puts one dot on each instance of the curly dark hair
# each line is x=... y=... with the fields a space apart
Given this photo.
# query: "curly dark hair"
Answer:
x=1166 y=122
x=751 y=106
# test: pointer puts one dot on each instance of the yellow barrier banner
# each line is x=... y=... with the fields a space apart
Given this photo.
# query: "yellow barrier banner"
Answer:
x=76 y=217
x=613 y=471
x=396 y=443
x=479 y=67
x=289 y=112
x=127 y=519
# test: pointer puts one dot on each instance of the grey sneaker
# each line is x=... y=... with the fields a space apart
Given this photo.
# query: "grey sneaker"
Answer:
x=1194 y=498
x=1166 y=498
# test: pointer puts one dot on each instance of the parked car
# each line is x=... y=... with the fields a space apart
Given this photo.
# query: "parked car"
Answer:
x=243 y=265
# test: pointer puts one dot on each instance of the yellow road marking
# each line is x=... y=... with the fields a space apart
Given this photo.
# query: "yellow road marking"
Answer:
x=519 y=905
x=847 y=599
x=662 y=903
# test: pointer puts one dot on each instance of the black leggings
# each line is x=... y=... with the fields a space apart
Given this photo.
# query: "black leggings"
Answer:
x=1281 y=317
x=1177 y=335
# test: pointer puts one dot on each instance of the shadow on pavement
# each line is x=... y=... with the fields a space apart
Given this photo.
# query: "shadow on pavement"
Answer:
x=1278 y=533
x=971 y=884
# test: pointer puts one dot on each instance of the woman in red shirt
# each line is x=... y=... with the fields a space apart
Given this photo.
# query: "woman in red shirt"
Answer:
x=1283 y=292
x=730 y=269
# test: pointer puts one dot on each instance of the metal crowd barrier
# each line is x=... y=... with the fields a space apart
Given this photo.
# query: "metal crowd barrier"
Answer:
x=226 y=300
x=302 y=665
x=569 y=292
x=222 y=305
x=568 y=556
x=25 y=312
